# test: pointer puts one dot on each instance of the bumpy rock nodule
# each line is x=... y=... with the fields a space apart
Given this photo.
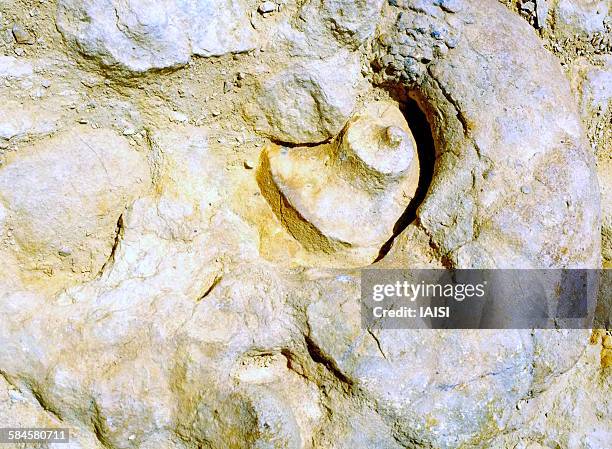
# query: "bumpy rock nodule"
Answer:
x=308 y=102
x=139 y=35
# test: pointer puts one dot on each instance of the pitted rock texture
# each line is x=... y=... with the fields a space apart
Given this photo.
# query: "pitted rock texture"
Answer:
x=141 y=35
x=420 y=32
x=319 y=29
x=63 y=200
x=307 y=102
x=152 y=297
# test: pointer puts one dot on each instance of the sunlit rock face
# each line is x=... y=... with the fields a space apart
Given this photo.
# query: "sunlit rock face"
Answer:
x=308 y=102
x=64 y=199
x=348 y=195
x=188 y=190
x=142 y=35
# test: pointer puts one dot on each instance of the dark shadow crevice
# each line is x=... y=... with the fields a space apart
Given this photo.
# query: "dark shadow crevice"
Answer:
x=426 y=150
x=282 y=143
x=318 y=356
x=119 y=231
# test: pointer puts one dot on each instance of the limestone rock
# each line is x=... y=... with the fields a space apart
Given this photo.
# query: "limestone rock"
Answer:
x=309 y=102
x=11 y=67
x=466 y=387
x=18 y=121
x=604 y=170
x=22 y=36
x=601 y=98
x=150 y=298
x=64 y=198
x=581 y=16
x=426 y=31
x=591 y=86
x=320 y=29
x=140 y=35
x=541 y=11
x=595 y=94
x=367 y=177
x=351 y=22
x=222 y=28
x=559 y=416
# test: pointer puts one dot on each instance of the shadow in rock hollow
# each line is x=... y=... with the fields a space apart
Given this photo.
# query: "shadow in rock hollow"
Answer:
x=421 y=130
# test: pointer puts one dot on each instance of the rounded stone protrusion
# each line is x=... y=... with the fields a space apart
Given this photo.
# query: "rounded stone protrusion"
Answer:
x=394 y=135
x=345 y=196
x=381 y=142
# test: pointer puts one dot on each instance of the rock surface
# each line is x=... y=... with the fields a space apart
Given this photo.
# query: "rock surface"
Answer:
x=17 y=121
x=151 y=295
x=140 y=35
x=494 y=168
x=319 y=29
x=11 y=67
x=582 y=16
x=591 y=86
x=64 y=200
x=308 y=102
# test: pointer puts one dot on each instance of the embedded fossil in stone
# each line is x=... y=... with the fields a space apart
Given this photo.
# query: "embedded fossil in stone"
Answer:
x=348 y=194
x=494 y=177
x=232 y=348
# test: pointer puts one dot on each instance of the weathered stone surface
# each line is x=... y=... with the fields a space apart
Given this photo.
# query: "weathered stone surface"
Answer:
x=19 y=121
x=581 y=16
x=308 y=102
x=319 y=29
x=600 y=101
x=418 y=35
x=11 y=67
x=203 y=322
x=559 y=415
x=541 y=11
x=350 y=21
x=63 y=200
x=499 y=175
x=591 y=86
x=22 y=36
x=444 y=388
x=596 y=93
x=604 y=170
x=141 y=35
